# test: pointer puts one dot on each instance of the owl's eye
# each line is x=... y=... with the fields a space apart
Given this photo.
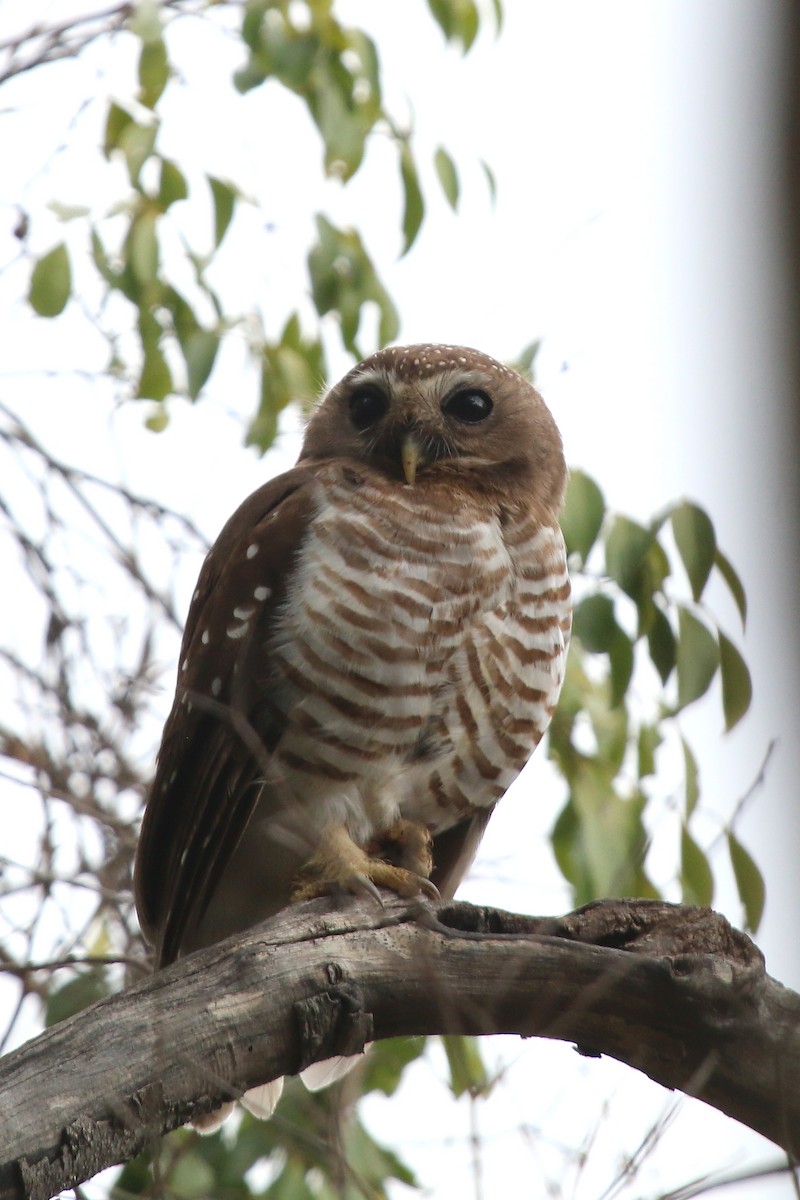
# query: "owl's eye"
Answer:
x=469 y=406
x=367 y=406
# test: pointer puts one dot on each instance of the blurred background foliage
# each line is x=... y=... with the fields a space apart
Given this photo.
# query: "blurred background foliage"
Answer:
x=147 y=275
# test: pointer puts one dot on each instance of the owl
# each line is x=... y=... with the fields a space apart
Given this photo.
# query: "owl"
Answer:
x=374 y=649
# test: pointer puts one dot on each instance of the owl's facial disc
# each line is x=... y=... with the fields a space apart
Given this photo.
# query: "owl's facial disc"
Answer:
x=413 y=425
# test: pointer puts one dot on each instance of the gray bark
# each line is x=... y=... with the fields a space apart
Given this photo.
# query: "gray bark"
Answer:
x=672 y=991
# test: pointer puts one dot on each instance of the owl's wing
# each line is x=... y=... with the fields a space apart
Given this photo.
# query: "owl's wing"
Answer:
x=225 y=721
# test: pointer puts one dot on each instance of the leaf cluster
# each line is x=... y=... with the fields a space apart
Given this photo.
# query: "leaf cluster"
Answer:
x=634 y=629
x=179 y=329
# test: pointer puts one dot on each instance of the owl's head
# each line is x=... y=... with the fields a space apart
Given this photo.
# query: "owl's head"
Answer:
x=431 y=412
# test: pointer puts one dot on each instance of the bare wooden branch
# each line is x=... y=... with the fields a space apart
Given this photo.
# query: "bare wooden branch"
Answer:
x=673 y=991
x=45 y=43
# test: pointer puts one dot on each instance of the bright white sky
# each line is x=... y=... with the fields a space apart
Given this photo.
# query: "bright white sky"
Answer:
x=631 y=141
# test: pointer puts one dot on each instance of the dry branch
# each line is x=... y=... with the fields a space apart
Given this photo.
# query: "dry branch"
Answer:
x=673 y=991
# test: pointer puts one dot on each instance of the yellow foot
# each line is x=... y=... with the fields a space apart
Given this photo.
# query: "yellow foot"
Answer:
x=399 y=860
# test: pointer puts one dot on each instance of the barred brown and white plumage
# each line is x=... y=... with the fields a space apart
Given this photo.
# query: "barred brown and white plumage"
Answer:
x=374 y=649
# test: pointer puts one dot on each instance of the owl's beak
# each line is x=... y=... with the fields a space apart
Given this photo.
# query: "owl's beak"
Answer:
x=410 y=457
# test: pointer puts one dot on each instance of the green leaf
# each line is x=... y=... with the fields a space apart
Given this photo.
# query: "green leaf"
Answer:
x=594 y=623
x=691 y=777
x=172 y=184
x=599 y=839
x=386 y=1061
x=343 y=279
x=153 y=72
x=290 y=1184
x=737 y=688
x=469 y=24
x=155 y=379
x=697 y=657
x=51 y=282
x=199 y=350
x=291 y=372
x=523 y=364
x=661 y=644
x=68 y=212
x=696 y=878
x=102 y=261
x=627 y=545
x=697 y=544
x=448 y=176
x=734 y=583
x=414 y=208
x=190 y=1178
x=372 y=1165
x=158 y=420
x=621 y=658
x=749 y=882
x=142 y=247
x=145 y=20
x=584 y=510
x=117 y=122
x=81 y=991
x=648 y=742
x=467 y=1069
x=458 y=19
x=136 y=142
x=224 y=196
x=184 y=321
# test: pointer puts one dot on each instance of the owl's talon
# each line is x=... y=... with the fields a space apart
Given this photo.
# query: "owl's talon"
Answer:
x=429 y=888
x=340 y=865
x=364 y=885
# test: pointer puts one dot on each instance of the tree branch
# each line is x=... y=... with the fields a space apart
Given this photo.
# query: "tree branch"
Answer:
x=46 y=43
x=673 y=991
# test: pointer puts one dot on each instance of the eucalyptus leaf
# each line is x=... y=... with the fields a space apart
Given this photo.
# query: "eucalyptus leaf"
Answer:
x=142 y=247
x=661 y=644
x=594 y=622
x=448 y=176
x=697 y=657
x=224 y=196
x=697 y=880
x=582 y=515
x=117 y=121
x=51 y=282
x=153 y=72
x=737 y=688
x=172 y=184
x=468 y=1071
x=648 y=742
x=734 y=583
x=200 y=352
x=749 y=883
x=414 y=209
x=697 y=544
x=76 y=994
x=627 y=545
x=691 y=777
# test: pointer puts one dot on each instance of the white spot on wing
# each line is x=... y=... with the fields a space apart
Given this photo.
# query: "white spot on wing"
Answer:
x=252 y=550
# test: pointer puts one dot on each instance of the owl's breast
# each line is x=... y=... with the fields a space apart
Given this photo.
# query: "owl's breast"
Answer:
x=408 y=652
